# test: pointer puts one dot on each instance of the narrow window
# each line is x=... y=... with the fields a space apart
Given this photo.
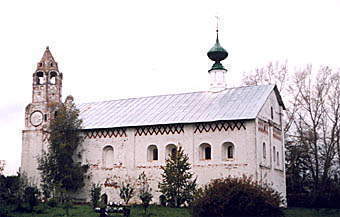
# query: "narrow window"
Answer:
x=40 y=64
x=152 y=153
x=280 y=118
x=230 y=151
x=155 y=154
x=40 y=78
x=227 y=151
x=271 y=113
x=53 y=77
x=51 y=64
x=55 y=114
x=108 y=156
x=274 y=153
x=45 y=117
x=205 y=151
x=264 y=150
x=278 y=159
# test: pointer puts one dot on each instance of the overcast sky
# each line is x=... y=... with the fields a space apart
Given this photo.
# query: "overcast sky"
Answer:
x=119 y=49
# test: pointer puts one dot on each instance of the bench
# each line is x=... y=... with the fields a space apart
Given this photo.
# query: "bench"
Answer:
x=113 y=208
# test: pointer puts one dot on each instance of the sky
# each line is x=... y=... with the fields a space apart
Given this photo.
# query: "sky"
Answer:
x=110 y=49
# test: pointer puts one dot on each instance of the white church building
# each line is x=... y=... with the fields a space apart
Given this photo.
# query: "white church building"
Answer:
x=224 y=131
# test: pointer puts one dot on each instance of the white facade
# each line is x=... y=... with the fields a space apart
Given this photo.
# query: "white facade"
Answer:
x=130 y=151
x=233 y=132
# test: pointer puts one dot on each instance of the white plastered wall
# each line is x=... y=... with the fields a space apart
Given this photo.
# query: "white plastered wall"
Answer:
x=130 y=157
x=271 y=170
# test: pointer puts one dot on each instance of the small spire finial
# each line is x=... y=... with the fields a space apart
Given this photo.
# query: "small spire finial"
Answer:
x=217 y=53
x=217 y=19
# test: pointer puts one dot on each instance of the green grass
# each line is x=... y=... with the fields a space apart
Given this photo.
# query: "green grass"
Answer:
x=81 y=211
x=157 y=211
x=305 y=212
x=86 y=211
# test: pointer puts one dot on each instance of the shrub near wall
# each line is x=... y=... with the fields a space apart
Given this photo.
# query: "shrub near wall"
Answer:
x=236 y=197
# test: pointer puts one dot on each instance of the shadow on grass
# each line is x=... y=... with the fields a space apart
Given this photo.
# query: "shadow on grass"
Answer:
x=310 y=212
x=159 y=211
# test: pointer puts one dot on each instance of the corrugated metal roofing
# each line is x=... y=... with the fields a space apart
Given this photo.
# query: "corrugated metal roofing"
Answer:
x=230 y=104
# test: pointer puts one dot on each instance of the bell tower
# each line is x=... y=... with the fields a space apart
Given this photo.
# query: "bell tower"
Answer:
x=47 y=80
x=46 y=96
x=217 y=72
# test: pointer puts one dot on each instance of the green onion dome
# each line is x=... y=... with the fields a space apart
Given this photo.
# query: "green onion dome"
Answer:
x=217 y=53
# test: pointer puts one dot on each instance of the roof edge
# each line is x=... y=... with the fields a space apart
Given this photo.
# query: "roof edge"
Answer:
x=279 y=98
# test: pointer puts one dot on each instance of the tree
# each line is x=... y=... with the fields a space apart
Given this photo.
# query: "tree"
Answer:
x=312 y=129
x=144 y=191
x=126 y=192
x=17 y=194
x=2 y=166
x=177 y=185
x=61 y=175
x=317 y=125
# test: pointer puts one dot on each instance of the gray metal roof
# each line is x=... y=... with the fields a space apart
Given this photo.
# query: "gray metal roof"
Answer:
x=230 y=104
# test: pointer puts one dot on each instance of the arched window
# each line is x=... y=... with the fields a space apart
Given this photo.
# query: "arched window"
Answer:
x=170 y=150
x=108 y=156
x=40 y=78
x=53 y=77
x=274 y=153
x=152 y=153
x=104 y=198
x=227 y=151
x=205 y=151
x=278 y=158
x=264 y=151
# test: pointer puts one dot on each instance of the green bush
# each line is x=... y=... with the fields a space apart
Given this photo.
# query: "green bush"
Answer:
x=53 y=202
x=31 y=197
x=40 y=208
x=5 y=209
x=329 y=197
x=162 y=200
x=96 y=190
x=17 y=195
x=236 y=197
x=299 y=199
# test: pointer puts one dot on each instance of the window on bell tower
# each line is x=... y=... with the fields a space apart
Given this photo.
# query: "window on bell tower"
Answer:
x=40 y=78
x=53 y=77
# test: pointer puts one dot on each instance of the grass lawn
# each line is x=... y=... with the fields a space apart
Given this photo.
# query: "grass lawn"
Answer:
x=86 y=211
x=304 y=212
x=157 y=211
